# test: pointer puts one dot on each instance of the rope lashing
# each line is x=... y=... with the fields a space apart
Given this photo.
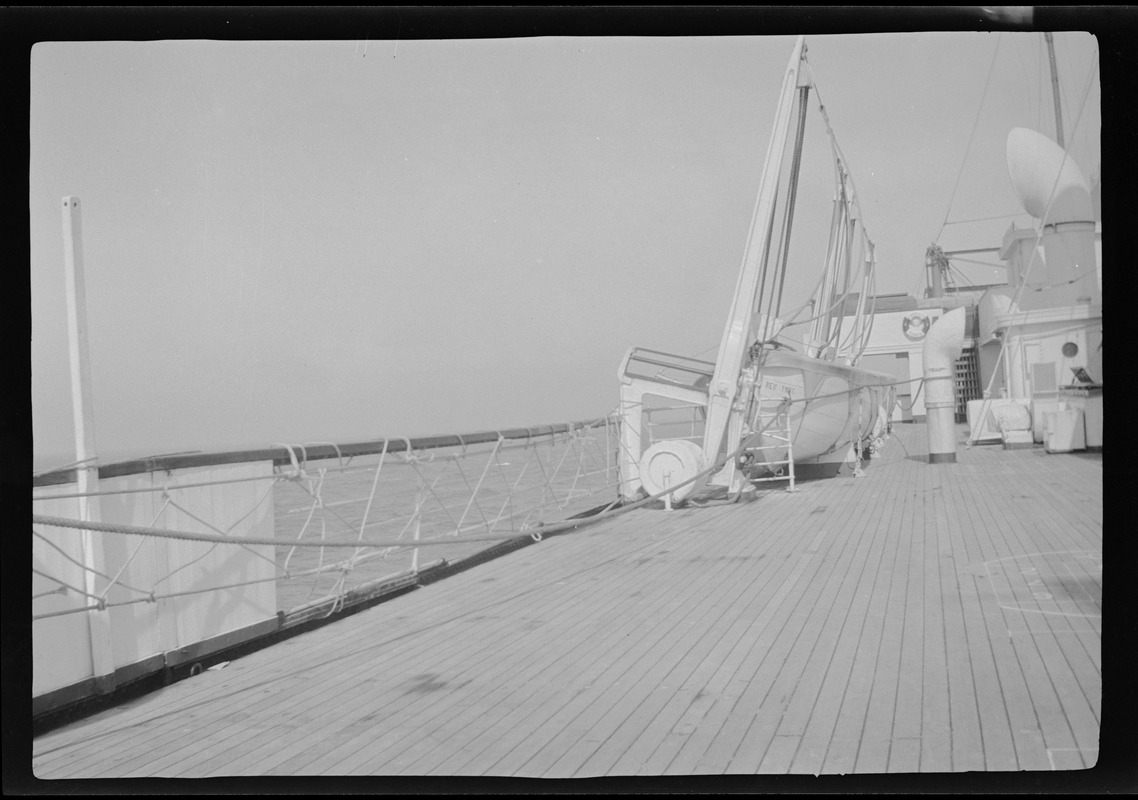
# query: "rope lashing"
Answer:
x=297 y=473
x=411 y=457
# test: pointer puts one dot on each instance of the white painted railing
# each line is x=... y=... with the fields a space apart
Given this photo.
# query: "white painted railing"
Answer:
x=196 y=552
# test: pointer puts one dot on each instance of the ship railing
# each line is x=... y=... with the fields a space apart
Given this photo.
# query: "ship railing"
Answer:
x=187 y=554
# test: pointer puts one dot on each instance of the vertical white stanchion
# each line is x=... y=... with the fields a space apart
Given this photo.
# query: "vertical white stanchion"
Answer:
x=87 y=473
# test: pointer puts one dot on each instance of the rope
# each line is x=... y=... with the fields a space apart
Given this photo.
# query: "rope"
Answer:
x=374 y=486
x=982 y=219
x=165 y=502
x=344 y=568
x=167 y=533
x=152 y=598
x=362 y=549
x=297 y=470
x=977 y=261
x=136 y=530
x=60 y=590
x=67 y=557
x=792 y=195
x=66 y=586
x=971 y=136
x=1038 y=238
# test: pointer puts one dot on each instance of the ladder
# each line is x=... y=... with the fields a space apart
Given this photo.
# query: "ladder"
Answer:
x=772 y=421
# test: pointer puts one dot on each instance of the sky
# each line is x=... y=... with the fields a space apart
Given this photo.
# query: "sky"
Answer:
x=348 y=240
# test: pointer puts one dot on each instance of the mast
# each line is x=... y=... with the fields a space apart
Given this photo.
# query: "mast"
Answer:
x=1055 y=90
x=936 y=263
x=736 y=335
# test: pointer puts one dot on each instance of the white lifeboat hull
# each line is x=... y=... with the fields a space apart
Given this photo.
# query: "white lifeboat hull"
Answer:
x=833 y=408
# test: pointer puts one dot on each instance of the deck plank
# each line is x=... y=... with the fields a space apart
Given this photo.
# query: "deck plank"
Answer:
x=578 y=740
x=908 y=704
x=1037 y=655
x=877 y=731
x=842 y=671
x=849 y=725
x=691 y=711
x=474 y=660
x=936 y=729
x=797 y=680
x=566 y=725
x=924 y=617
x=505 y=672
x=751 y=691
x=592 y=647
x=973 y=638
x=817 y=695
x=319 y=695
x=663 y=678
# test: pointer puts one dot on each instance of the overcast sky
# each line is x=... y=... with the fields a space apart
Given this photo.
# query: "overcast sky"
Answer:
x=338 y=241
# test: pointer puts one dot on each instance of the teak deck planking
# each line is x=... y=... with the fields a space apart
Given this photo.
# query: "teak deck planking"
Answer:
x=920 y=618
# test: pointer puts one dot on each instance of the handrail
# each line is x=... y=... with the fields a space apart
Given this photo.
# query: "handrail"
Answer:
x=458 y=498
x=280 y=456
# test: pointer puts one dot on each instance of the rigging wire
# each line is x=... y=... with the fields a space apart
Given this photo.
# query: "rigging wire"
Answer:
x=992 y=264
x=1038 y=240
x=983 y=219
x=971 y=136
x=1062 y=99
x=844 y=228
x=1038 y=84
x=958 y=275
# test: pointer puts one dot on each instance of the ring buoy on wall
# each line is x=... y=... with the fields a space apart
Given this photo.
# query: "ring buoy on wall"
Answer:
x=915 y=326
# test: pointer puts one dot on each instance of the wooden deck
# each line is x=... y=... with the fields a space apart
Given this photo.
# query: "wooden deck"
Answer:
x=921 y=618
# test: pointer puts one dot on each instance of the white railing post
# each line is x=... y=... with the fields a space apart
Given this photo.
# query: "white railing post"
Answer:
x=87 y=472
